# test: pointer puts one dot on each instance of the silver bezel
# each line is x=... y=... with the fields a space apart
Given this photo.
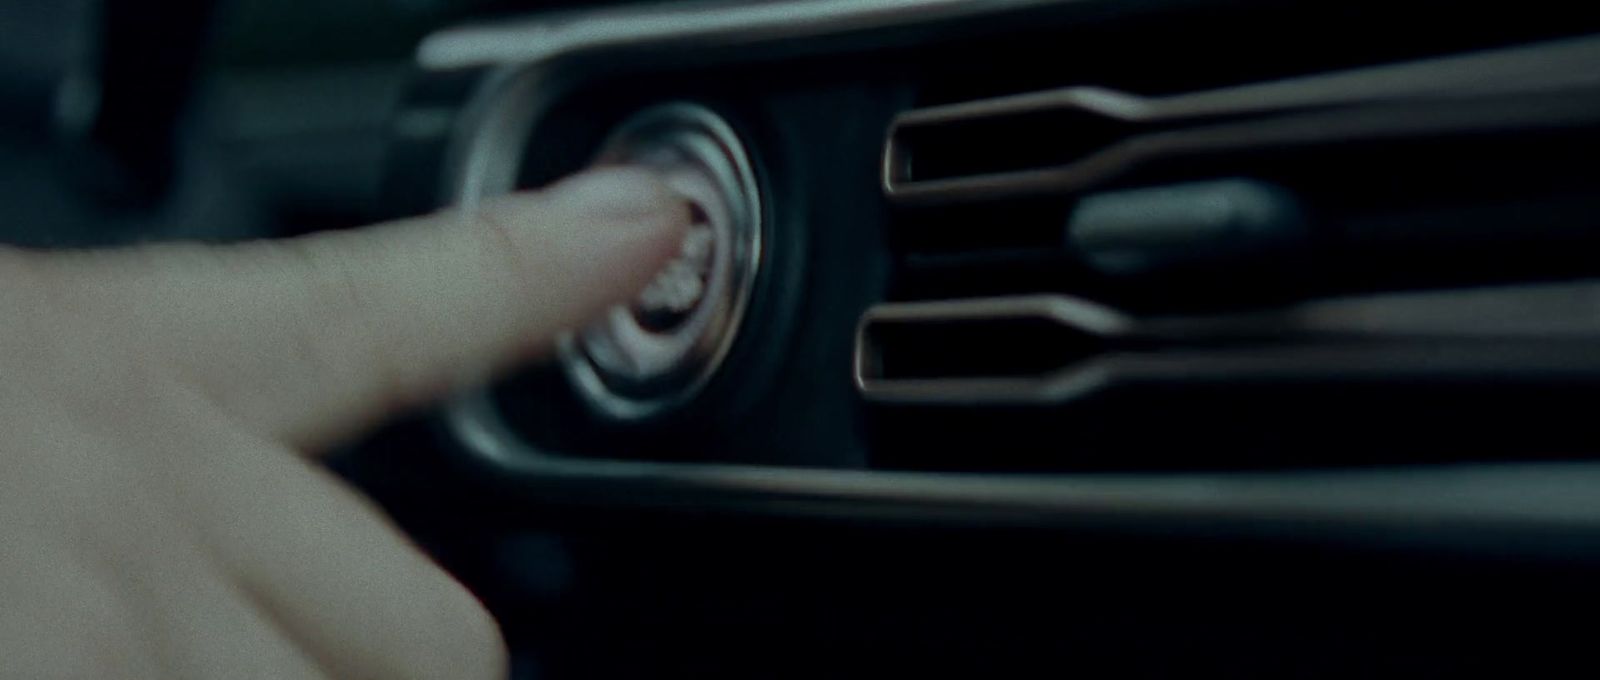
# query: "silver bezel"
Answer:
x=694 y=351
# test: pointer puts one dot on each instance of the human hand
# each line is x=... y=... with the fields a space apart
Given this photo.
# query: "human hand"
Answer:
x=160 y=511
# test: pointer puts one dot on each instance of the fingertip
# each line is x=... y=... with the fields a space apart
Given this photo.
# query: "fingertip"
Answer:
x=607 y=201
x=405 y=311
x=627 y=195
x=613 y=228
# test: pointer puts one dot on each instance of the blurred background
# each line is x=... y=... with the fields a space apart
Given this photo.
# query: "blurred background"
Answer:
x=213 y=119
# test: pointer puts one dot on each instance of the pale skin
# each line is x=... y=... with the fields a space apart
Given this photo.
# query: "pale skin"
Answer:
x=162 y=510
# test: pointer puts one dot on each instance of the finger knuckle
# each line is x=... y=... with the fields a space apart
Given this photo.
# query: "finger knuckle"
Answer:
x=508 y=253
x=339 y=315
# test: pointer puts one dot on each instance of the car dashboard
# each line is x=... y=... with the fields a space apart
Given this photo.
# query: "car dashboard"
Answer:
x=1114 y=337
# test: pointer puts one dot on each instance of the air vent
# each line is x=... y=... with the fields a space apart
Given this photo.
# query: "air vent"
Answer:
x=1460 y=170
x=1051 y=349
x=1424 y=232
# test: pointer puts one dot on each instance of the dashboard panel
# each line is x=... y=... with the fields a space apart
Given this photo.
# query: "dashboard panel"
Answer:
x=1183 y=432
x=1390 y=291
x=1109 y=337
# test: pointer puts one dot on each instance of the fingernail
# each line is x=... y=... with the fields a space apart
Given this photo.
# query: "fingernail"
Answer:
x=622 y=194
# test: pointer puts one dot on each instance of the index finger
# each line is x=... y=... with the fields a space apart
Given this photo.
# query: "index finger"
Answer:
x=312 y=338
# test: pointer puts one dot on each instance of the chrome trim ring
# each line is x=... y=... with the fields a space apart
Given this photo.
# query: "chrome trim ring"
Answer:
x=554 y=35
x=659 y=352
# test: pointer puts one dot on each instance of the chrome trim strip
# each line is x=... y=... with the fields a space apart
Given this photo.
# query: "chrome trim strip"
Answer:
x=547 y=37
x=1297 y=110
x=1529 y=332
x=1055 y=386
x=1373 y=504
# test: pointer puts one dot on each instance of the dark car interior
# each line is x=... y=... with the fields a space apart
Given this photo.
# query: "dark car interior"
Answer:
x=1014 y=338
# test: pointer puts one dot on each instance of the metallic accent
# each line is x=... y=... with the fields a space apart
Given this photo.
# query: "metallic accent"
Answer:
x=1472 y=504
x=1530 y=333
x=660 y=352
x=1555 y=83
x=707 y=23
x=1091 y=319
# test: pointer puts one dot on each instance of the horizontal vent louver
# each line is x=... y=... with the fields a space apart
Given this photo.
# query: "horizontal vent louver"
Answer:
x=1055 y=348
x=1078 y=138
x=1418 y=233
